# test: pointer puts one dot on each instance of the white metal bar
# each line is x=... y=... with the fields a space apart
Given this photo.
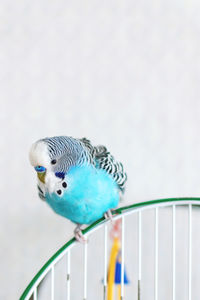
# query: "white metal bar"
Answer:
x=173 y=252
x=122 y=257
x=139 y=245
x=85 y=271
x=156 y=253
x=35 y=294
x=190 y=253
x=105 y=258
x=52 y=282
x=68 y=274
x=139 y=253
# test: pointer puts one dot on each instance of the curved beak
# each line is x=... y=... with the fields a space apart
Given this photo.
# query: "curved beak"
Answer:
x=41 y=176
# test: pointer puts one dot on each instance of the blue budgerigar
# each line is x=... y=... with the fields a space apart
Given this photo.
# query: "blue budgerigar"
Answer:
x=79 y=181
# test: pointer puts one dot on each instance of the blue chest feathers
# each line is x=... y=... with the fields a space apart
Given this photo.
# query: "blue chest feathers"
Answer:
x=89 y=194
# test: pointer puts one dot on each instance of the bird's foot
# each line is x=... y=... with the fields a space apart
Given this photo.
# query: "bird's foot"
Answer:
x=79 y=235
x=108 y=216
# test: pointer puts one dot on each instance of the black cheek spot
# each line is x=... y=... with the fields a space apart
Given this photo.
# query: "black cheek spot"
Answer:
x=59 y=192
x=64 y=184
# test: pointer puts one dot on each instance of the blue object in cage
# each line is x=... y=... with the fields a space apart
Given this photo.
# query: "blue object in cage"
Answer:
x=118 y=274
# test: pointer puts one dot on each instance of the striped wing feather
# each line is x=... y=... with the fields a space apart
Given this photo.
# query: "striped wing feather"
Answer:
x=104 y=160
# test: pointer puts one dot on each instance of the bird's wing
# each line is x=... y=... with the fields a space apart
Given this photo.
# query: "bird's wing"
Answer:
x=104 y=160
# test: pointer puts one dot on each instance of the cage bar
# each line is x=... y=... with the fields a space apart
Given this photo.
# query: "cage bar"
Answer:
x=105 y=259
x=174 y=252
x=85 y=270
x=139 y=253
x=190 y=253
x=156 y=253
x=122 y=257
x=52 y=282
x=68 y=274
x=35 y=294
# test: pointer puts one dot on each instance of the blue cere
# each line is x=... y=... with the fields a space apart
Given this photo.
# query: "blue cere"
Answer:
x=40 y=169
x=60 y=175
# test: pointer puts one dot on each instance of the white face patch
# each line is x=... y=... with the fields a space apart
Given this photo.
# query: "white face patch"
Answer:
x=39 y=156
x=51 y=182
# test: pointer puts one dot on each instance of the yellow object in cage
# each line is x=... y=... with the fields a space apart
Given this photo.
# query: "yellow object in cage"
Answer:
x=111 y=268
x=114 y=271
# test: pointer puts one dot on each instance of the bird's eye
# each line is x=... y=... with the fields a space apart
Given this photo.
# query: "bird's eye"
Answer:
x=40 y=169
x=53 y=162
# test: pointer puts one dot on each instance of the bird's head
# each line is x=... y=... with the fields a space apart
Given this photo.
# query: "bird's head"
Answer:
x=54 y=155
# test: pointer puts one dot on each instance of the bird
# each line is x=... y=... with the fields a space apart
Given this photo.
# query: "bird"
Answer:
x=79 y=181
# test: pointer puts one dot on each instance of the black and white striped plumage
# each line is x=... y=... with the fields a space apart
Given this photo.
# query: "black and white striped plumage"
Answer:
x=61 y=152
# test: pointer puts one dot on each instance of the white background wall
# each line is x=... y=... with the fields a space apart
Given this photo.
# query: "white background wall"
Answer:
x=122 y=73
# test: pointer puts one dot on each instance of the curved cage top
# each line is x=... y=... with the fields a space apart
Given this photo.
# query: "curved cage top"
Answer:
x=137 y=210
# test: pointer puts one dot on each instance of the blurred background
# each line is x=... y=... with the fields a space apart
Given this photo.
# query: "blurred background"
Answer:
x=121 y=73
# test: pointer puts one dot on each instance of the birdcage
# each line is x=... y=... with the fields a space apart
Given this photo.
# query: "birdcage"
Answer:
x=159 y=252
